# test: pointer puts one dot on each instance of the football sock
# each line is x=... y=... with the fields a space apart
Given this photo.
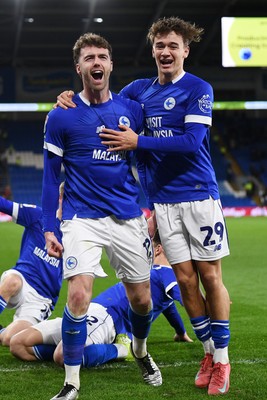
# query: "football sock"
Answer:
x=202 y=329
x=74 y=333
x=3 y=304
x=97 y=354
x=221 y=335
x=140 y=329
x=44 y=352
x=140 y=323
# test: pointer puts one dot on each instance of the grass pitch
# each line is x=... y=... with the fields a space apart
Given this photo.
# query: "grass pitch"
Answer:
x=244 y=274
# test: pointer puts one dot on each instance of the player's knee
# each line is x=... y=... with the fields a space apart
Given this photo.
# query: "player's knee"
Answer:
x=141 y=304
x=15 y=346
x=58 y=357
x=12 y=285
x=6 y=338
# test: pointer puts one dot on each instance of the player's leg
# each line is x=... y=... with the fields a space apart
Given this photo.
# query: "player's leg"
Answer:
x=37 y=342
x=177 y=243
x=21 y=345
x=81 y=259
x=131 y=256
x=74 y=331
x=11 y=284
x=219 y=309
x=96 y=354
x=11 y=296
x=209 y=243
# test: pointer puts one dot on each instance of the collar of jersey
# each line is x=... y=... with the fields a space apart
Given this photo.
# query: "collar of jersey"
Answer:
x=86 y=101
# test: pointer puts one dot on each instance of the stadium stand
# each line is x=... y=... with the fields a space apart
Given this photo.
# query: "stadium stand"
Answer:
x=25 y=163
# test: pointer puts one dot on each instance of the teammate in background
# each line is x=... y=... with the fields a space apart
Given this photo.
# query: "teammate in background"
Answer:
x=32 y=286
x=180 y=184
x=108 y=325
x=100 y=209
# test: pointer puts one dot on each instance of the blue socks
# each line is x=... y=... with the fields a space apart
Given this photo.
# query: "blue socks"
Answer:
x=220 y=332
x=201 y=327
x=97 y=354
x=3 y=304
x=44 y=352
x=74 y=334
x=140 y=323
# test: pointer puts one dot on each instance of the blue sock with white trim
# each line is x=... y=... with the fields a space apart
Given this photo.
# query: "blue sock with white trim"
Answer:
x=97 y=354
x=74 y=334
x=3 y=304
x=44 y=352
x=220 y=333
x=201 y=327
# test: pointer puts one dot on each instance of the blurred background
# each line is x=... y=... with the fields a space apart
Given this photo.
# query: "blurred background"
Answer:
x=36 y=64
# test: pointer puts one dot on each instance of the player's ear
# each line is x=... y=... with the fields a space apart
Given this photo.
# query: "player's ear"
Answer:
x=111 y=66
x=186 y=51
x=153 y=53
x=78 y=70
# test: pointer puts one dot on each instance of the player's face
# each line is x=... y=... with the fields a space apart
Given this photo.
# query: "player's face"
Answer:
x=94 y=67
x=169 y=52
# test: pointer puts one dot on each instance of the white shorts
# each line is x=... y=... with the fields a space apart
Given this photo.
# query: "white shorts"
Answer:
x=127 y=244
x=100 y=327
x=29 y=304
x=192 y=230
x=50 y=330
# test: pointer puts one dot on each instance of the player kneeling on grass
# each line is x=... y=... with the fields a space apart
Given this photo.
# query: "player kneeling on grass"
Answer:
x=32 y=286
x=108 y=325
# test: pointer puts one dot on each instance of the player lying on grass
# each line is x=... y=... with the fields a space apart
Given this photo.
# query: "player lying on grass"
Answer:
x=32 y=286
x=108 y=325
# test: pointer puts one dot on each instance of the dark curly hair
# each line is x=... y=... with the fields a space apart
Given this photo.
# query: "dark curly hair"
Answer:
x=189 y=32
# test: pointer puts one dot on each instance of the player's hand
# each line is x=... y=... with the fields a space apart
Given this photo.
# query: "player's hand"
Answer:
x=125 y=139
x=53 y=247
x=64 y=100
x=152 y=224
x=182 y=338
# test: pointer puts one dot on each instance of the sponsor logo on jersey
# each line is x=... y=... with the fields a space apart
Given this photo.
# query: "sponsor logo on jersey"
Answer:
x=205 y=104
x=45 y=257
x=109 y=156
x=169 y=103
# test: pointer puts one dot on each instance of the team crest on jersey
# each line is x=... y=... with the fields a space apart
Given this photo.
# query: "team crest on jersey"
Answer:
x=124 y=121
x=71 y=262
x=169 y=103
x=205 y=105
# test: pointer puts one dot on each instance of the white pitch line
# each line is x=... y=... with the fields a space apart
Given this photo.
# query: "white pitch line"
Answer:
x=119 y=365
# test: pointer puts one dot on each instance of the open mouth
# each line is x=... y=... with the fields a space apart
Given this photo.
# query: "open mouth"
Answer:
x=166 y=62
x=97 y=75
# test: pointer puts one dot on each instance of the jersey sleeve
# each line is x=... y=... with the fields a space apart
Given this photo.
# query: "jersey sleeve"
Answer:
x=6 y=206
x=22 y=214
x=53 y=153
x=197 y=120
x=174 y=319
x=189 y=142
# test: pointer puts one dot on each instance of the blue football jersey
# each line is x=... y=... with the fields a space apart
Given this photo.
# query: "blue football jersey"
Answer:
x=164 y=290
x=178 y=116
x=42 y=272
x=98 y=183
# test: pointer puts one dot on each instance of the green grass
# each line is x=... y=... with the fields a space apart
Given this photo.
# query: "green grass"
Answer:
x=244 y=273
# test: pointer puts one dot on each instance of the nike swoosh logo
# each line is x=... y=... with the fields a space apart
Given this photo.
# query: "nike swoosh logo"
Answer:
x=73 y=332
x=223 y=389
